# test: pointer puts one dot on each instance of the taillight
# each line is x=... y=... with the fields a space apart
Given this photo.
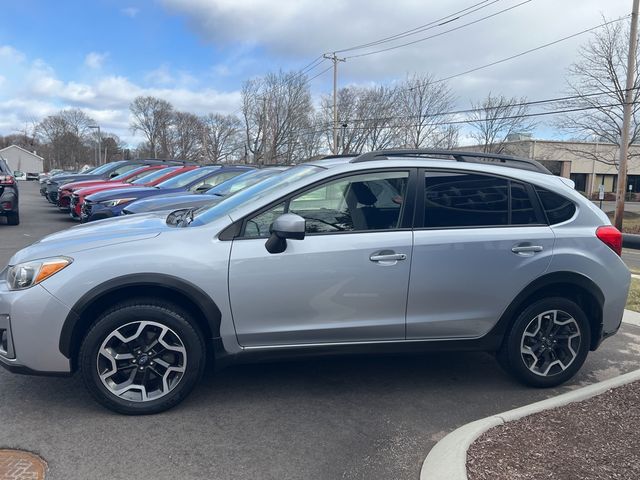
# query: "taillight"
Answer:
x=6 y=180
x=611 y=236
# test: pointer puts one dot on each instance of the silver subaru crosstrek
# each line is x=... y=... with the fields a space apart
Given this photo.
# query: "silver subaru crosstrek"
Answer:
x=386 y=251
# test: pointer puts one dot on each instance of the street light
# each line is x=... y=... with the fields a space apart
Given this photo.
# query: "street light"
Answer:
x=98 y=146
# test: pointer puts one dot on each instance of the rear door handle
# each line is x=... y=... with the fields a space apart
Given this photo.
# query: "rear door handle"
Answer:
x=524 y=249
x=387 y=257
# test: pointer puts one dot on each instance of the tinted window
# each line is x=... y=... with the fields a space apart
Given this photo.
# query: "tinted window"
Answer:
x=557 y=207
x=187 y=177
x=465 y=200
x=522 y=211
x=213 y=180
x=154 y=175
x=358 y=203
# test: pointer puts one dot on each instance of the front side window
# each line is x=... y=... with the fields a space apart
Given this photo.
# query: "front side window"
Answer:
x=364 y=202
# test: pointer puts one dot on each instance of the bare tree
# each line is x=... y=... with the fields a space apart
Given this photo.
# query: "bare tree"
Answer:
x=495 y=118
x=366 y=116
x=67 y=134
x=152 y=116
x=596 y=81
x=274 y=108
x=423 y=106
x=222 y=137
x=184 y=137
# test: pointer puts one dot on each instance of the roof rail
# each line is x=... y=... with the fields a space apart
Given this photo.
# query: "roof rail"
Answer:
x=459 y=156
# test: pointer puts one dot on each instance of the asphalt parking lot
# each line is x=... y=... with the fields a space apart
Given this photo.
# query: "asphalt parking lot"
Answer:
x=330 y=418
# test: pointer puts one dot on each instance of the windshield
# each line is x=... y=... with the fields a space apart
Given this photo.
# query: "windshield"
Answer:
x=156 y=174
x=254 y=193
x=186 y=178
x=128 y=174
x=104 y=168
x=240 y=182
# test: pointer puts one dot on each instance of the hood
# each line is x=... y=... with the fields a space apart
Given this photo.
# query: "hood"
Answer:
x=132 y=191
x=100 y=187
x=94 y=235
x=85 y=183
x=62 y=179
x=167 y=203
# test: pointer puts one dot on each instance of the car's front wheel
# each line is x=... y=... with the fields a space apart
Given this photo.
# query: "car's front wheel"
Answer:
x=547 y=344
x=142 y=357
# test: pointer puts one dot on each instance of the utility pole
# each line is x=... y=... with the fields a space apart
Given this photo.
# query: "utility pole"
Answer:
x=333 y=57
x=626 y=118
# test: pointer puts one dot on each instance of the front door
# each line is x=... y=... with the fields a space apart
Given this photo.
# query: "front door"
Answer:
x=347 y=281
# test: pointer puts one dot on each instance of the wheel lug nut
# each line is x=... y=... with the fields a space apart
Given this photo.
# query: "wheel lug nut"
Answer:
x=133 y=361
x=141 y=368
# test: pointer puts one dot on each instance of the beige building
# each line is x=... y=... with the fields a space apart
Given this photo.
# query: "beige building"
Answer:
x=22 y=160
x=588 y=164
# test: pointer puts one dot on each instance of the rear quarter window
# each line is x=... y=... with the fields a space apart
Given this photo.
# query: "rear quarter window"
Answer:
x=558 y=208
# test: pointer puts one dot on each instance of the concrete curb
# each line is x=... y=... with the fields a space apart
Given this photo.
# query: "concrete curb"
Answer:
x=447 y=460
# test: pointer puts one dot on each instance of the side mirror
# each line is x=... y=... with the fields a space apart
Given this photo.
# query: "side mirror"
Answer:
x=286 y=226
x=204 y=188
x=113 y=175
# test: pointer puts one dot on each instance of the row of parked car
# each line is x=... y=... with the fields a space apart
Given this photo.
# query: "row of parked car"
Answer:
x=136 y=186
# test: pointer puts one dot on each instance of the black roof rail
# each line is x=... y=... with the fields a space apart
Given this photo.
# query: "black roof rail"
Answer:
x=459 y=156
x=341 y=155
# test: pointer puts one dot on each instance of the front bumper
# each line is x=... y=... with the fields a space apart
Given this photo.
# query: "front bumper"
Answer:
x=94 y=211
x=30 y=324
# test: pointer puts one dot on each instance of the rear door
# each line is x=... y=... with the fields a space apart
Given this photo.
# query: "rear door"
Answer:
x=483 y=239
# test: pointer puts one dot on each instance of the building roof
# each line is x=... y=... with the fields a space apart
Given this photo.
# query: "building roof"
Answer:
x=23 y=149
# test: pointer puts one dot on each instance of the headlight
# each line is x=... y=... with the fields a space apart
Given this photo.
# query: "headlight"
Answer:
x=116 y=202
x=28 y=274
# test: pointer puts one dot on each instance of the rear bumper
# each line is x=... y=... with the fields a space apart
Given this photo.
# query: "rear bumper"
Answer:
x=8 y=201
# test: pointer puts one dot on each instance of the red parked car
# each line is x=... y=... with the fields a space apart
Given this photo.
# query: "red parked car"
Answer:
x=65 y=191
x=149 y=180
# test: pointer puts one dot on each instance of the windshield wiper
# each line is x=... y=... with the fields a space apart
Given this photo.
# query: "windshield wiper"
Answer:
x=187 y=217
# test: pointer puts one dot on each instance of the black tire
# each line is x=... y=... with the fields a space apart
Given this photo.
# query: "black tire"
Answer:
x=514 y=362
x=13 y=218
x=148 y=310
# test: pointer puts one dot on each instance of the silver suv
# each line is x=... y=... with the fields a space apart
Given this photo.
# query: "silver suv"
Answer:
x=386 y=251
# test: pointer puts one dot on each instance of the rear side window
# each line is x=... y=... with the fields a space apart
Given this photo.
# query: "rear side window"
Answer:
x=522 y=210
x=558 y=208
x=465 y=200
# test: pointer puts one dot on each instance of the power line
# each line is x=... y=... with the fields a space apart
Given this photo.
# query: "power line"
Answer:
x=427 y=26
x=483 y=109
x=467 y=121
x=321 y=73
x=530 y=50
x=440 y=33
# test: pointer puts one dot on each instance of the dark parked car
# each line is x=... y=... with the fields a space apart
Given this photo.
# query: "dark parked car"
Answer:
x=8 y=195
x=104 y=172
x=175 y=201
x=109 y=204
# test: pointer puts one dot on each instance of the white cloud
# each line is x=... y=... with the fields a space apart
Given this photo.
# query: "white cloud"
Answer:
x=32 y=90
x=95 y=60
x=294 y=32
x=131 y=12
x=160 y=76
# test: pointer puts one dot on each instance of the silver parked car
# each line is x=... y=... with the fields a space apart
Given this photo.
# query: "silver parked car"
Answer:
x=386 y=251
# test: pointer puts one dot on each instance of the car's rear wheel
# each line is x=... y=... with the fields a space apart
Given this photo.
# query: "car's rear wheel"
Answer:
x=142 y=357
x=13 y=218
x=547 y=343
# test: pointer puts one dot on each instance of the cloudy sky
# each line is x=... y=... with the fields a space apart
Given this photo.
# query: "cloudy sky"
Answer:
x=98 y=55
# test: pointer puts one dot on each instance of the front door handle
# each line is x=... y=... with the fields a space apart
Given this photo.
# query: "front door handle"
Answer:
x=527 y=249
x=387 y=256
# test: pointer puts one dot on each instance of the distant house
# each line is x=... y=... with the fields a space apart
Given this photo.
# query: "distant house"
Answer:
x=23 y=160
